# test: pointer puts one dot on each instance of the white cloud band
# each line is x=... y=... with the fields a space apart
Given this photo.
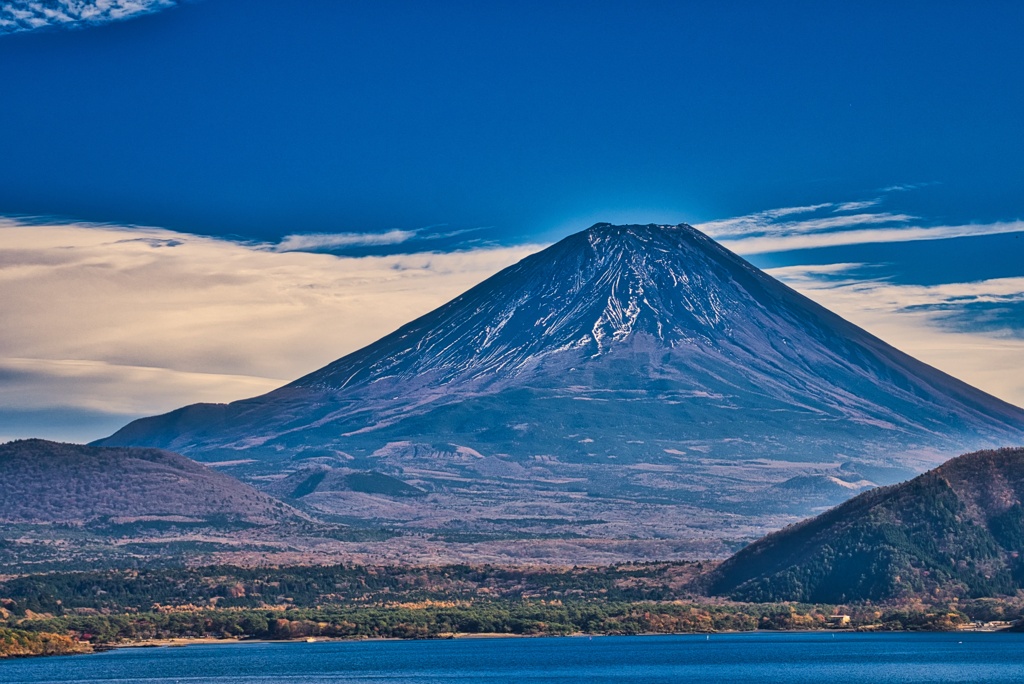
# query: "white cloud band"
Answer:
x=139 y=321
x=320 y=241
x=792 y=242
x=835 y=224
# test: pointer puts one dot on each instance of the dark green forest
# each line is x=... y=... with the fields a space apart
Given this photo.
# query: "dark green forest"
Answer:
x=956 y=532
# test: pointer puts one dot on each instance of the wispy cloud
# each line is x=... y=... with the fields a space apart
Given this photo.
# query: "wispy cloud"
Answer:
x=756 y=226
x=857 y=206
x=900 y=297
x=971 y=330
x=907 y=187
x=121 y=389
x=28 y=15
x=811 y=218
x=795 y=240
x=817 y=274
x=789 y=211
x=833 y=224
x=138 y=321
x=426 y=238
x=320 y=241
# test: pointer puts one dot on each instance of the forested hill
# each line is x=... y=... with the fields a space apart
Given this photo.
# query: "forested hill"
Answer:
x=17 y=643
x=47 y=482
x=957 y=530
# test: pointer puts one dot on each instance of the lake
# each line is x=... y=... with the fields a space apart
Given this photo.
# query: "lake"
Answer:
x=752 y=657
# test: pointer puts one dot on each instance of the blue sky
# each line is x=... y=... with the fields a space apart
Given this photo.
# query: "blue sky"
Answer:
x=870 y=152
x=260 y=118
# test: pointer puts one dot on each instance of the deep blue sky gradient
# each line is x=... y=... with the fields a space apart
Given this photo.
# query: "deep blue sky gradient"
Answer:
x=263 y=118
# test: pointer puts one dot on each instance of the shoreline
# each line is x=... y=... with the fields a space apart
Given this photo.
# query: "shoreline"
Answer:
x=181 y=642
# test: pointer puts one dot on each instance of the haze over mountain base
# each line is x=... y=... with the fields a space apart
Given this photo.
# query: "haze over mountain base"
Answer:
x=629 y=388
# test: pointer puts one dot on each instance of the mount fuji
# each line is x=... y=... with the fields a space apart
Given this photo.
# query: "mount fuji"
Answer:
x=627 y=383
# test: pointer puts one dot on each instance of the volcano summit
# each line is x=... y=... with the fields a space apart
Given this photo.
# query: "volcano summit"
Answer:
x=632 y=382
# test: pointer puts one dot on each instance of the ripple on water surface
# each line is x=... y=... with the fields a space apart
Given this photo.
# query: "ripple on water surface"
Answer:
x=757 y=657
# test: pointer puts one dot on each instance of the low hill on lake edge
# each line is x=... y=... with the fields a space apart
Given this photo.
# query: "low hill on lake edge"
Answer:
x=50 y=482
x=955 y=531
x=17 y=643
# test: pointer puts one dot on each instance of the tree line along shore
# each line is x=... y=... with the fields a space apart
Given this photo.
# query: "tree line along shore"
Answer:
x=76 y=612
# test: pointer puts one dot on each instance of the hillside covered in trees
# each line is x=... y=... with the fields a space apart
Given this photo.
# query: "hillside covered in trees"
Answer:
x=231 y=587
x=19 y=643
x=353 y=602
x=955 y=531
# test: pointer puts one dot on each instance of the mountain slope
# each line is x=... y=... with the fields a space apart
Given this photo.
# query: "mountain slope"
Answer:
x=623 y=368
x=49 y=482
x=957 y=530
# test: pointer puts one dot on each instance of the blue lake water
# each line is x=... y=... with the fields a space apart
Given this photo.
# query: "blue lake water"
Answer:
x=754 y=657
